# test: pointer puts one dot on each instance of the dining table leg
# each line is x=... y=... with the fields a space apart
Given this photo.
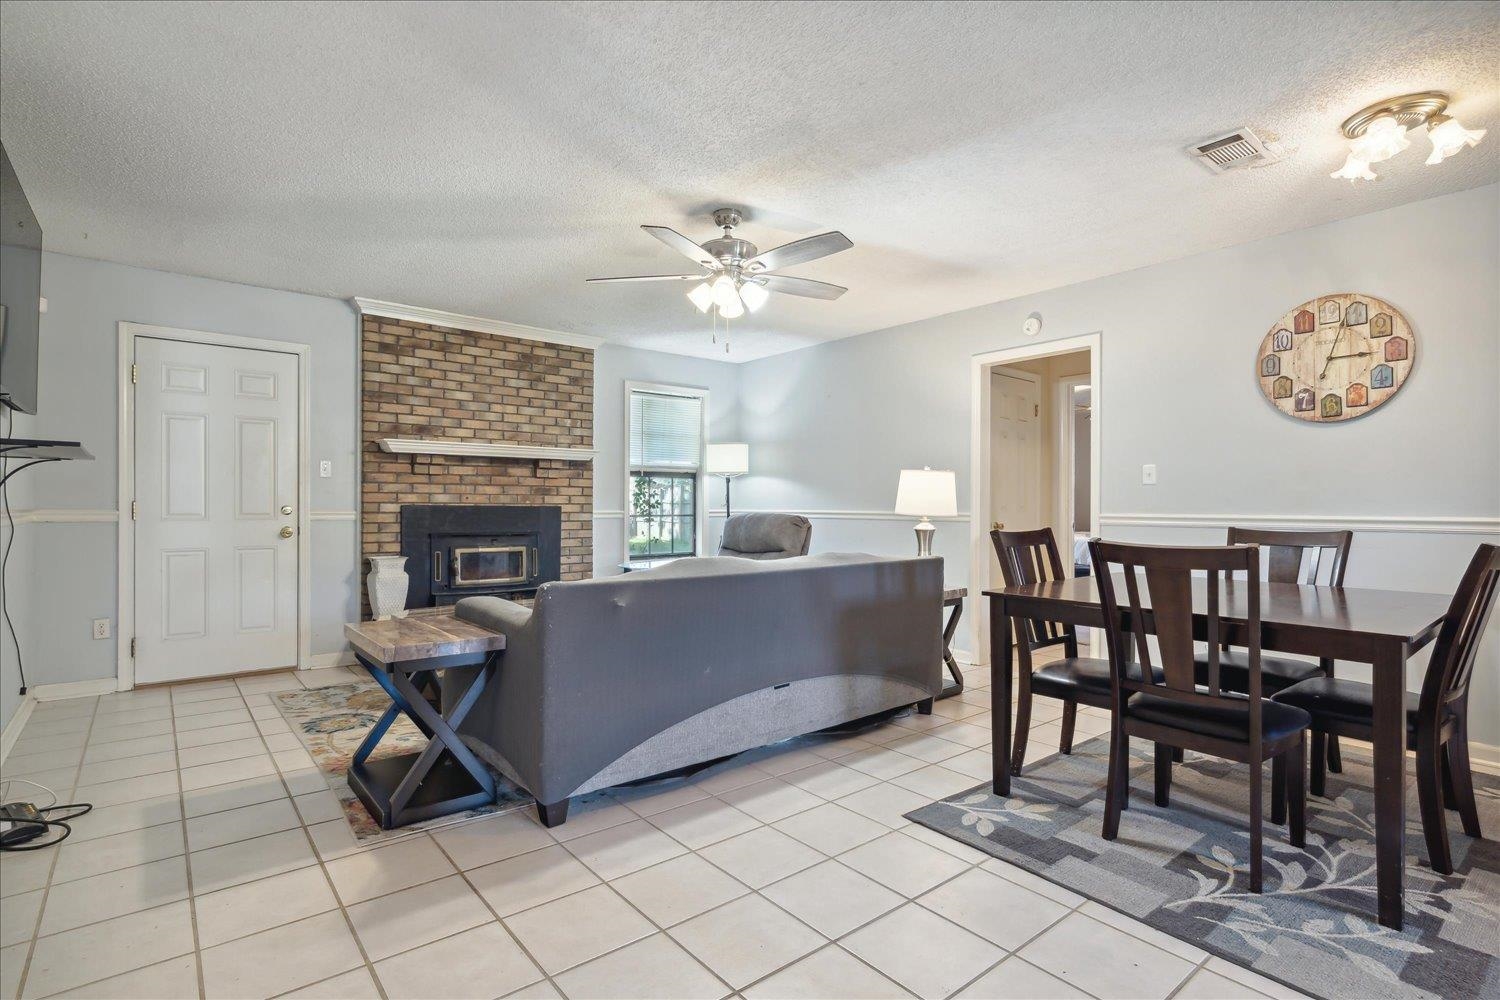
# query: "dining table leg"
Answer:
x=1000 y=656
x=1389 y=734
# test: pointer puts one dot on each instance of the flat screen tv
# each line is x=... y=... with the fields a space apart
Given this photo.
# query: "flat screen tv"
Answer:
x=20 y=292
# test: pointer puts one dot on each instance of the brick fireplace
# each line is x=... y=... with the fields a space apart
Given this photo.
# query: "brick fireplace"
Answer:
x=444 y=383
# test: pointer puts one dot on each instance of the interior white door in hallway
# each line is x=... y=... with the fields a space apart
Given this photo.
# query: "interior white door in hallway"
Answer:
x=1015 y=450
x=216 y=546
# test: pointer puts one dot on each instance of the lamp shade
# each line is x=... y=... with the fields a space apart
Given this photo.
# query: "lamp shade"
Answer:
x=927 y=493
x=728 y=459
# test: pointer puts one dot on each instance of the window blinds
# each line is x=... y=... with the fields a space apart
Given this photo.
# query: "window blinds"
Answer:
x=666 y=432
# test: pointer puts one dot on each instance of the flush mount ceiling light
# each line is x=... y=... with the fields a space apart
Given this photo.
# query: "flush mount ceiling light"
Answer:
x=1379 y=132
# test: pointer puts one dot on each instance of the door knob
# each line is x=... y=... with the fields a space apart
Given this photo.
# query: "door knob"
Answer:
x=286 y=531
x=286 y=508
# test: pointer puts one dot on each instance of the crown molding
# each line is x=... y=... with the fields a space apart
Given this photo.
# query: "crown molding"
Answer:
x=478 y=324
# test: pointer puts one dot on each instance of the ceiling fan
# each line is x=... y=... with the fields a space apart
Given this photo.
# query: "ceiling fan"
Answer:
x=736 y=276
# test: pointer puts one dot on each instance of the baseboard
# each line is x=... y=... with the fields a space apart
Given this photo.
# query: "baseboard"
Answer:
x=343 y=658
x=12 y=731
x=75 y=689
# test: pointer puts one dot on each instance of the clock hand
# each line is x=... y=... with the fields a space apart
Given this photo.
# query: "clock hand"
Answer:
x=1331 y=348
x=1337 y=357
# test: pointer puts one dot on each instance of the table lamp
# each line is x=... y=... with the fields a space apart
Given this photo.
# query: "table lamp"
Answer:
x=728 y=460
x=926 y=493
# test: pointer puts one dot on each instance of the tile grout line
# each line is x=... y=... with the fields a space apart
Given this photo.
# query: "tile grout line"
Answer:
x=318 y=857
x=187 y=853
x=41 y=910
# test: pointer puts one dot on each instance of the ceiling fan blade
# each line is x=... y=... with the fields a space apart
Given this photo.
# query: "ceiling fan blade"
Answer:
x=656 y=277
x=799 y=252
x=683 y=245
x=800 y=286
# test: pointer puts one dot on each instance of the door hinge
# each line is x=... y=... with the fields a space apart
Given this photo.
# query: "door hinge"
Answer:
x=132 y=648
x=134 y=509
x=135 y=374
x=1036 y=409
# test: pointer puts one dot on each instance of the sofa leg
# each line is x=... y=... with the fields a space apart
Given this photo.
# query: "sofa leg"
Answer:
x=552 y=813
x=924 y=707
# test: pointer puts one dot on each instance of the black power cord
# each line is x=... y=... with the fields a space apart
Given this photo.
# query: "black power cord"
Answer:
x=10 y=542
x=30 y=823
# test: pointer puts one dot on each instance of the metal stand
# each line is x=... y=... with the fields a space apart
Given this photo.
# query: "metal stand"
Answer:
x=949 y=631
x=445 y=777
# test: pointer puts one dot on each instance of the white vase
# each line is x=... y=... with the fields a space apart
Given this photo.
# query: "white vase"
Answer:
x=387 y=586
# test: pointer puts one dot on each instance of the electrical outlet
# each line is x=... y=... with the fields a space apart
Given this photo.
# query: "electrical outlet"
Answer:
x=325 y=469
x=101 y=628
x=1148 y=475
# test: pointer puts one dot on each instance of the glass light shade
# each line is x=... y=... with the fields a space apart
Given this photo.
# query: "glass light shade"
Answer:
x=1449 y=137
x=754 y=296
x=724 y=291
x=702 y=296
x=1354 y=169
x=733 y=309
x=1382 y=140
x=927 y=493
x=728 y=459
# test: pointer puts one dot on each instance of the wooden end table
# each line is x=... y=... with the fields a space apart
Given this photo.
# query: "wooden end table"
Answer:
x=404 y=655
x=953 y=598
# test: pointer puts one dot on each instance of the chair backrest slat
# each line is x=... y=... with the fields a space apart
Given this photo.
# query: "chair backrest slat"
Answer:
x=1456 y=650
x=1288 y=552
x=1027 y=558
x=1169 y=576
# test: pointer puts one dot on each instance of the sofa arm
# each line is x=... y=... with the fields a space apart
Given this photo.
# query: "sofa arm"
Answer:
x=494 y=613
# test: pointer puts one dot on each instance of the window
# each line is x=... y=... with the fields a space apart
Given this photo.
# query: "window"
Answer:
x=665 y=461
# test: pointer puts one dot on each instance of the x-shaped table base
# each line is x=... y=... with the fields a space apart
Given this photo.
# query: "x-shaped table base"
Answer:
x=445 y=777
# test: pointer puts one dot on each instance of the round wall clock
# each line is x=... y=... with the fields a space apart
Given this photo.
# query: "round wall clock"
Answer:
x=1336 y=357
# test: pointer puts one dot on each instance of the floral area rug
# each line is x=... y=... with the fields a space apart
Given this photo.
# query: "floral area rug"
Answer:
x=1184 y=870
x=333 y=721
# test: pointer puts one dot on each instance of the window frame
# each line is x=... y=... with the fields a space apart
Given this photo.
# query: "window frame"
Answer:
x=700 y=509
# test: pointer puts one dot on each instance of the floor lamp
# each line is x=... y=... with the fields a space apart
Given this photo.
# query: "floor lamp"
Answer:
x=728 y=460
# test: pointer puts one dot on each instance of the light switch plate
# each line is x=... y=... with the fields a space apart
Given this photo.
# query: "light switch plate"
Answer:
x=325 y=469
x=1148 y=475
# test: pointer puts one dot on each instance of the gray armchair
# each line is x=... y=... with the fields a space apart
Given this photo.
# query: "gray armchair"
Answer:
x=766 y=536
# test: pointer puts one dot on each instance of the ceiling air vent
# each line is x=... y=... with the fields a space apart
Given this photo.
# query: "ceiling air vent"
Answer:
x=1240 y=148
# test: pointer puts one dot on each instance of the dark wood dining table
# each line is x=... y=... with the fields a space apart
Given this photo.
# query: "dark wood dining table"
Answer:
x=1383 y=628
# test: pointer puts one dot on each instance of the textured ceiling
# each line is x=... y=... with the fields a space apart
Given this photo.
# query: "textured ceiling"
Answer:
x=486 y=159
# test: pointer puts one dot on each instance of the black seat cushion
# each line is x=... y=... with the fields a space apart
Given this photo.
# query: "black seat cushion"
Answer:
x=1072 y=676
x=1344 y=700
x=1224 y=722
x=1276 y=672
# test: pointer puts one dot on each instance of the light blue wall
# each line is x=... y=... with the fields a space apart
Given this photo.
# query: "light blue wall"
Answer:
x=62 y=575
x=830 y=426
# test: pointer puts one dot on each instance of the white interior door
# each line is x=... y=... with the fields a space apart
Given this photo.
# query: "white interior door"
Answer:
x=216 y=551
x=1015 y=451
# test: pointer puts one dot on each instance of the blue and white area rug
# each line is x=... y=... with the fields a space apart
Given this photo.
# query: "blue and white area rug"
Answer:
x=1184 y=870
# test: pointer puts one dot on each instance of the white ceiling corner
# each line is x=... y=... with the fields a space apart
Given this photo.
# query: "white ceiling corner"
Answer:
x=486 y=159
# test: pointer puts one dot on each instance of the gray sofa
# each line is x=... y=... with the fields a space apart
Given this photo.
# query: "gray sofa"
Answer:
x=766 y=536
x=610 y=680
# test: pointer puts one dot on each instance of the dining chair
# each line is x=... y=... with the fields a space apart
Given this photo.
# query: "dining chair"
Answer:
x=1170 y=708
x=1437 y=720
x=1028 y=557
x=1309 y=558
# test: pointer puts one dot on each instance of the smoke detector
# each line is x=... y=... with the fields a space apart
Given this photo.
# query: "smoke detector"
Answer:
x=1233 y=150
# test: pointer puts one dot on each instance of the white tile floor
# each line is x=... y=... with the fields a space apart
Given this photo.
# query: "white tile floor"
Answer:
x=216 y=864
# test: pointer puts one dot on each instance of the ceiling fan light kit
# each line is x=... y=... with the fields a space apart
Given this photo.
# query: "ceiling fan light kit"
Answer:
x=737 y=277
x=1379 y=132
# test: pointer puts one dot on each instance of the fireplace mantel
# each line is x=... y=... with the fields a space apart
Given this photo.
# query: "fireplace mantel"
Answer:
x=483 y=449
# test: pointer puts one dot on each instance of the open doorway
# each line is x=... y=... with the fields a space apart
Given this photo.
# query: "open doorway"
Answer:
x=1035 y=456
